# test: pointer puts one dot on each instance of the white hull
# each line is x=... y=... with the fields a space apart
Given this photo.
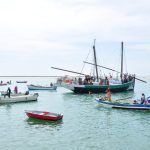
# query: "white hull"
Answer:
x=35 y=87
x=15 y=99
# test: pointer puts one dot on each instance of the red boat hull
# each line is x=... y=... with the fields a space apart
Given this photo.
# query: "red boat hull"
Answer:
x=44 y=115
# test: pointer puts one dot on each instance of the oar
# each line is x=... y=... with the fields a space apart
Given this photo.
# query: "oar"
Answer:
x=123 y=98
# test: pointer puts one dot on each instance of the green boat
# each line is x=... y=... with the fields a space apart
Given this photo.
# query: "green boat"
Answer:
x=95 y=88
x=94 y=85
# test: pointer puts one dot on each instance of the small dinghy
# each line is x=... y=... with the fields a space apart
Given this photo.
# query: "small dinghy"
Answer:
x=38 y=87
x=124 y=106
x=43 y=115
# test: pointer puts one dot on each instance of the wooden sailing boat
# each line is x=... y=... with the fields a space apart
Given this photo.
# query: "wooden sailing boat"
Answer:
x=97 y=87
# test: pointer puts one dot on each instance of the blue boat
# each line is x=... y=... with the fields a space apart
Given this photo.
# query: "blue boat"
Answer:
x=39 y=87
x=124 y=106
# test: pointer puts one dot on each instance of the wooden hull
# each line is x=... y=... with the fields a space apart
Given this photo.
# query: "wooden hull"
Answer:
x=125 y=106
x=44 y=115
x=16 y=99
x=35 y=87
x=99 y=88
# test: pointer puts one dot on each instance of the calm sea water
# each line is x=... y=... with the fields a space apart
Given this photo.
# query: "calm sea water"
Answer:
x=86 y=125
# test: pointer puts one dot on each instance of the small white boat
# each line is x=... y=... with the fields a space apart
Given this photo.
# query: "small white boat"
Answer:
x=38 y=87
x=22 y=98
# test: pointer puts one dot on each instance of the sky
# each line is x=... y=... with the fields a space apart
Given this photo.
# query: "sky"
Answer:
x=38 y=34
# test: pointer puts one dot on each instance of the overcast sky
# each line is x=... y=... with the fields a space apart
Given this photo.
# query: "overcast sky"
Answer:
x=38 y=34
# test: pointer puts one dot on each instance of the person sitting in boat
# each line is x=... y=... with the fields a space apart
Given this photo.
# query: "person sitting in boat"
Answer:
x=135 y=102
x=143 y=100
x=8 y=92
x=27 y=93
x=51 y=84
x=108 y=94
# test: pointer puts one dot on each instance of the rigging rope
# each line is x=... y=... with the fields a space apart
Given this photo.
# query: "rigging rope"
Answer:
x=86 y=60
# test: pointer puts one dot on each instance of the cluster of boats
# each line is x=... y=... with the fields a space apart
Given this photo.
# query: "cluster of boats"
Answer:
x=96 y=84
x=9 y=82
x=86 y=84
x=26 y=97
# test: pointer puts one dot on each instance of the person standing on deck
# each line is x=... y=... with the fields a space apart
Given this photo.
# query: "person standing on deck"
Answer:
x=16 y=89
x=8 y=92
x=143 y=98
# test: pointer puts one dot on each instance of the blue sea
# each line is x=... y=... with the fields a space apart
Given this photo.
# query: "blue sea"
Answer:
x=86 y=125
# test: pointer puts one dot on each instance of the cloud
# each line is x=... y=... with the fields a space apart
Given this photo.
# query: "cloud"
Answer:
x=61 y=32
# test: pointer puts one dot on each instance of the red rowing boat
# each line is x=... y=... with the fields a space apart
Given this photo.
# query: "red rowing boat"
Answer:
x=43 y=115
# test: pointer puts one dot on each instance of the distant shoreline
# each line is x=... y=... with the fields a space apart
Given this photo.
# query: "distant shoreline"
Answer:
x=146 y=77
x=30 y=76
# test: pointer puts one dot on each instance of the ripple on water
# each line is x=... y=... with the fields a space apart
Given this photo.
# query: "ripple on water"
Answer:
x=85 y=125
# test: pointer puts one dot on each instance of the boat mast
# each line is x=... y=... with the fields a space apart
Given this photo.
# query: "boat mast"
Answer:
x=121 y=75
x=95 y=60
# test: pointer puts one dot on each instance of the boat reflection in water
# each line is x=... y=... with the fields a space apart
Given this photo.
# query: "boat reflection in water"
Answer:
x=39 y=123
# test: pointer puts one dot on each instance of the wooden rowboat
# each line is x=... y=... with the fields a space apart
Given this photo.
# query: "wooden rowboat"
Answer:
x=38 y=87
x=22 y=98
x=124 y=106
x=43 y=115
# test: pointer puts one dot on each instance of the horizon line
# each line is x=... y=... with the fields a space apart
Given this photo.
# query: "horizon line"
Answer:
x=29 y=76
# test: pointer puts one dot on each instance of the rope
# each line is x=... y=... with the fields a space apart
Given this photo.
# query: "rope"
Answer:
x=86 y=60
